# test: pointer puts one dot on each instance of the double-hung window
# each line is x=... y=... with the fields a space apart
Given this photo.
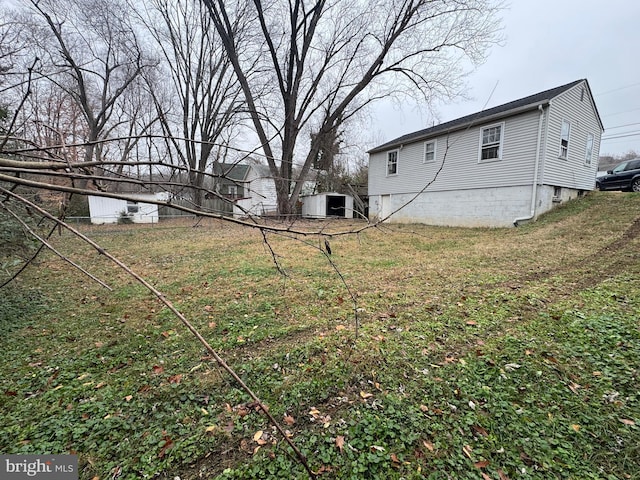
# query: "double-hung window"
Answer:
x=589 y=150
x=565 y=132
x=491 y=142
x=429 y=151
x=392 y=162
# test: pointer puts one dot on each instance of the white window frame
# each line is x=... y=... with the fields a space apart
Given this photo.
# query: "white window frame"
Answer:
x=389 y=162
x=232 y=191
x=493 y=144
x=588 y=154
x=434 y=152
x=564 y=148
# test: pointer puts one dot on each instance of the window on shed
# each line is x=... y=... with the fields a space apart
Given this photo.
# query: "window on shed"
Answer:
x=564 y=139
x=429 y=152
x=491 y=143
x=132 y=207
x=589 y=150
x=392 y=163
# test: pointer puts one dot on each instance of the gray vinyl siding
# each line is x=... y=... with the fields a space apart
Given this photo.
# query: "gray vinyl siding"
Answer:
x=572 y=172
x=460 y=153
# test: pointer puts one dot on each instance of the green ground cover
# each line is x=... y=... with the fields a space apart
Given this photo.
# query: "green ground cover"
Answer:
x=482 y=353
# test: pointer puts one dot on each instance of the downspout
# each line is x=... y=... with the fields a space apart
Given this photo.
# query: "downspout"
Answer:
x=534 y=187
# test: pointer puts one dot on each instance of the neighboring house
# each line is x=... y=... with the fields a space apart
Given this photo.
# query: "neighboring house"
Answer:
x=495 y=168
x=137 y=210
x=251 y=187
x=323 y=205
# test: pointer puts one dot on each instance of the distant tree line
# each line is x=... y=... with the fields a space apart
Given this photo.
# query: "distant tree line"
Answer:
x=607 y=162
x=121 y=89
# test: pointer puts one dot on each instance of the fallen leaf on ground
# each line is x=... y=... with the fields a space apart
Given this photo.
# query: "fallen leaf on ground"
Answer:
x=257 y=435
x=479 y=430
x=429 y=445
x=168 y=443
x=576 y=427
x=503 y=476
x=626 y=421
x=573 y=386
x=158 y=369
x=482 y=464
x=365 y=395
x=289 y=420
x=340 y=442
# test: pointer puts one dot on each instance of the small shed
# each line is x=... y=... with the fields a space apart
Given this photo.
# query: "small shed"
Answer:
x=324 y=205
x=111 y=210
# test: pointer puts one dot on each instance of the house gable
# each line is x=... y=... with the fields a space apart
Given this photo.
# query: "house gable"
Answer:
x=565 y=156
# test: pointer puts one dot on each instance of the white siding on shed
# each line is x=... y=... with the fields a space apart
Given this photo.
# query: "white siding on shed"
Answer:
x=110 y=210
x=315 y=206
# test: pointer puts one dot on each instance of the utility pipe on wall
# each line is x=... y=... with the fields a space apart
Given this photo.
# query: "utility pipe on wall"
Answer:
x=534 y=187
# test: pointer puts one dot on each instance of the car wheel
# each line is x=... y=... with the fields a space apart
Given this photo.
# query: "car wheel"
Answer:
x=635 y=185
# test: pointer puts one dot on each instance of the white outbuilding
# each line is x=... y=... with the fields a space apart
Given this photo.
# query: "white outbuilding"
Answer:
x=324 y=205
x=136 y=210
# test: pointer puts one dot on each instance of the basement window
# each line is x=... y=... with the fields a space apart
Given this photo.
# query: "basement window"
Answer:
x=491 y=142
x=392 y=163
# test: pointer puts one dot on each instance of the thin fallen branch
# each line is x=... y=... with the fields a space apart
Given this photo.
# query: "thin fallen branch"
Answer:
x=160 y=296
x=53 y=249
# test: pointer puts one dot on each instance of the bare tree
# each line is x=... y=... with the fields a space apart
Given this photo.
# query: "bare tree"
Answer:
x=203 y=90
x=90 y=51
x=311 y=66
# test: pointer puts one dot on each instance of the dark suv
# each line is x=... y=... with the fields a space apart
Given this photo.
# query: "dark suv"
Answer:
x=624 y=176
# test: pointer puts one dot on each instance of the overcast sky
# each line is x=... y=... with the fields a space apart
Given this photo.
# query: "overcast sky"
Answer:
x=549 y=43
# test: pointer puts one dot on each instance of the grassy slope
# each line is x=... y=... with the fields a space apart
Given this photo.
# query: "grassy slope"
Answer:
x=481 y=353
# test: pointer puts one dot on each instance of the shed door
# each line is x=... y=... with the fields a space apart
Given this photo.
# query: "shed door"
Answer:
x=336 y=206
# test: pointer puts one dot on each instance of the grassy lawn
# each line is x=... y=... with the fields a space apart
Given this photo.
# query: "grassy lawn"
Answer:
x=481 y=353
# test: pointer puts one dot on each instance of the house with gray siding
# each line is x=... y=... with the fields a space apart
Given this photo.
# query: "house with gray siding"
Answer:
x=495 y=168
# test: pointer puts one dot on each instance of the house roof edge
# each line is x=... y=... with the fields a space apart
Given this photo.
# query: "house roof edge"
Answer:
x=495 y=113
